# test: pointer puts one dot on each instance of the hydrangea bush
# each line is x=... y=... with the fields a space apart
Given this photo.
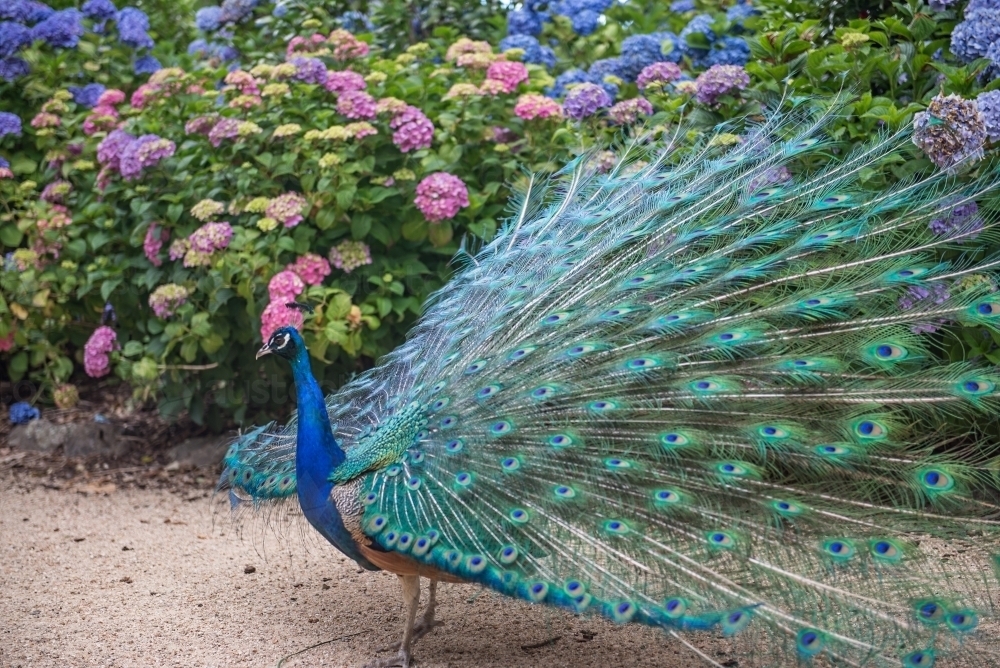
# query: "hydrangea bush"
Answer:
x=172 y=221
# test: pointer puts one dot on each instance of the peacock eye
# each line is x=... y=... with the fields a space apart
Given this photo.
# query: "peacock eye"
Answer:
x=279 y=341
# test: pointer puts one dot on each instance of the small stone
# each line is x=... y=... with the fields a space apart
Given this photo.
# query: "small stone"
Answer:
x=249 y=569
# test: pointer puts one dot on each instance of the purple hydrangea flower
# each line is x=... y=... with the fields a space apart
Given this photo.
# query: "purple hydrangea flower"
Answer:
x=413 y=130
x=109 y=151
x=989 y=108
x=720 y=80
x=310 y=70
x=13 y=38
x=584 y=100
x=87 y=96
x=10 y=124
x=950 y=132
x=658 y=73
x=99 y=10
x=62 y=29
x=132 y=26
x=144 y=152
x=963 y=220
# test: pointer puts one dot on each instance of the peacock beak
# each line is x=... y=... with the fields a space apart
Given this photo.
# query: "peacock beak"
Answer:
x=265 y=350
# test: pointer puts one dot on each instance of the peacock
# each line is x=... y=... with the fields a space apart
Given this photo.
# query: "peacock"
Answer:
x=703 y=390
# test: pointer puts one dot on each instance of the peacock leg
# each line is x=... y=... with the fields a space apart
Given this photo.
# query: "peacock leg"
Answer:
x=426 y=623
x=411 y=597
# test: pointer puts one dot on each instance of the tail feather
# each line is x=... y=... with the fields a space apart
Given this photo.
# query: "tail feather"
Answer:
x=703 y=391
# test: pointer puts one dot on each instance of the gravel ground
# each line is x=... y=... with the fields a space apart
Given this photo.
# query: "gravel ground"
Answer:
x=110 y=577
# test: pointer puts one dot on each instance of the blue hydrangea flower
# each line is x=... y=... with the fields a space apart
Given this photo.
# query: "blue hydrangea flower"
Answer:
x=208 y=19
x=523 y=22
x=10 y=124
x=62 y=29
x=132 y=26
x=584 y=100
x=227 y=53
x=681 y=6
x=146 y=65
x=4 y=164
x=567 y=78
x=234 y=11
x=981 y=4
x=638 y=51
x=25 y=11
x=940 y=5
x=533 y=51
x=13 y=38
x=740 y=11
x=702 y=25
x=989 y=108
x=972 y=37
x=23 y=412
x=355 y=22
x=86 y=96
x=99 y=10
x=730 y=51
x=13 y=68
x=280 y=11
x=585 y=22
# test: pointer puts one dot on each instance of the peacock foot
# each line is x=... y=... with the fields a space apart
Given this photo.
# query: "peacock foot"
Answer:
x=399 y=660
x=423 y=626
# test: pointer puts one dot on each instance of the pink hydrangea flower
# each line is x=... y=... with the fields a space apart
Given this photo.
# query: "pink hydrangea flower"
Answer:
x=200 y=125
x=532 y=105
x=299 y=44
x=347 y=46
x=226 y=128
x=356 y=104
x=287 y=209
x=178 y=248
x=349 y=255
x=413 y=130
x=440 y=196
x=392 y=105
x=627 y=112
x=101 y=119
x=243 y=81
x=153 y=243
x=361 y=129
x=275 y=316
x=56 y=191
x=166 y=299
x=45 y=120
x=143 y=94
x=509 y=73
x=7 y=342
x=658 y=73
x=211 y=237
x=492 y=87
x=111 y=97
x=311 y=268
x=95 y=352
x=285 y=286
x=344 y=81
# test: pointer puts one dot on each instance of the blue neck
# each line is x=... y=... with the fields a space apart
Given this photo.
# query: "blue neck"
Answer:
x=317 y=453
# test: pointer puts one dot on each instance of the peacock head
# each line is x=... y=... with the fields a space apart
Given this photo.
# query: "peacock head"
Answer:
x=285 y=342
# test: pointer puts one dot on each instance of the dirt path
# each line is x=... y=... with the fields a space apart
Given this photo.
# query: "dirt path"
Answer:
x=148 y=578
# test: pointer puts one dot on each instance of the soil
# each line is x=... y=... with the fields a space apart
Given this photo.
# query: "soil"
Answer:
x=116 y=567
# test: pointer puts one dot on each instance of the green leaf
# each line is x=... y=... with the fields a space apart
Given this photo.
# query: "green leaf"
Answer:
x=211 y=343
x=174 y=212
x=18 y=365
x=132 y=348
x=23 y=165
x=10 y=236
x=415 y=230
x=107 y=287
x=189 y=350
x=361 y=224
